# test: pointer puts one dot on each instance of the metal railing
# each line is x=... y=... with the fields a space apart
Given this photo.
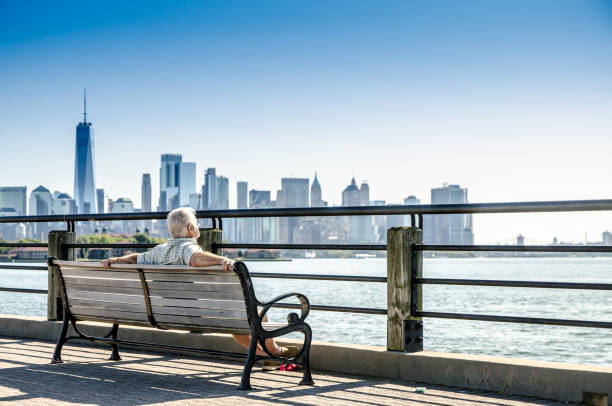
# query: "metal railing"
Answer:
x=415 y=212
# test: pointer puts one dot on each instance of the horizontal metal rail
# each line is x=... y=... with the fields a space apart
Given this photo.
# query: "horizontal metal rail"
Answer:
x=342 y=309
x=513 y=207
x=23 y=244
x=514 y=284
x=364 y=247
x=4 y=265
x=516 y=248
x=19 y=290
x=512 y=319
x=110 y=245
x=348 y=278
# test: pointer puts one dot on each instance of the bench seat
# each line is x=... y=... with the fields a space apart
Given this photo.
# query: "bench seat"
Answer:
x=176 y=297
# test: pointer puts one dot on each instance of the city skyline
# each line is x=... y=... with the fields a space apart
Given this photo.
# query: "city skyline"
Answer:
x=511 y=100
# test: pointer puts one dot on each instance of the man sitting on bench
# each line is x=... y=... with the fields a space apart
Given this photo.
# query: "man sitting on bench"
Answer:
x=183 y=249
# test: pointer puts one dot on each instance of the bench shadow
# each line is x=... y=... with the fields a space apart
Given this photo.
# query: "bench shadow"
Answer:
x=143 y=378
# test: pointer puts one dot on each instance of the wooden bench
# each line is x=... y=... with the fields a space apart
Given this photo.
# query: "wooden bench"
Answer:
x=175 y=297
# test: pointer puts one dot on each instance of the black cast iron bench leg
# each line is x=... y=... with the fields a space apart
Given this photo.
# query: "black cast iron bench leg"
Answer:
x=57 y=354
x=306 y=377
x=113 y=334
x=245 y=381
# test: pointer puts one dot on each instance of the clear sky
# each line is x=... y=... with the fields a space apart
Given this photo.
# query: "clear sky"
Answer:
x=512 y=100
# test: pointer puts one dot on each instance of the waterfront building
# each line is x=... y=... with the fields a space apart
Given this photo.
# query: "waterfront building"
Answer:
x=358 y=228
x=261 y=229
x=9 y=231
x=40 y=204
x=448 y=228
x=84 y=175
x=100 y=200
x=145 y=192
x=606 y=237
x=168 y=178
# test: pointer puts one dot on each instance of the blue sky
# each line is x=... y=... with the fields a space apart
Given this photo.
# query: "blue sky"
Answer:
x=510 y=99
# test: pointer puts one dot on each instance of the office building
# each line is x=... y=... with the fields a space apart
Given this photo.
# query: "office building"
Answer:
x=168 y=179
x=315 y=194
x=40 y=204
x=261 y=229
x=294 y=193
x=84 y=175
x=14 y=197
x=100 y=200
x=209 y=189
x=145 y=192
x=410 y=200
x=186 y=183
x=221 y=193
x=63 y=203
x=451 y=229
x=242 y=195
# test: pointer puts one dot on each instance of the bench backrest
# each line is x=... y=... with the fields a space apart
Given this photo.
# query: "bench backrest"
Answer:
x=165 y=296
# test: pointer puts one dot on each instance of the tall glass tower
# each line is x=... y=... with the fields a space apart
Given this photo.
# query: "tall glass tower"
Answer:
x=84 y=179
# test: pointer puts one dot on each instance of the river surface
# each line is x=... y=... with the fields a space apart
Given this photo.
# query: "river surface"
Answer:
x=549 y=343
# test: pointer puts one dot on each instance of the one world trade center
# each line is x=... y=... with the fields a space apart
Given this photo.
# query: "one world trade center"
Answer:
x=84 y=179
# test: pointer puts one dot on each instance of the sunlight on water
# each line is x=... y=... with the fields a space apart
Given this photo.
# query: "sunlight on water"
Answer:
x=551 y=343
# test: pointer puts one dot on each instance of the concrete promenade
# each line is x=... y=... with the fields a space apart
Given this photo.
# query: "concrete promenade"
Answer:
x=146 y=378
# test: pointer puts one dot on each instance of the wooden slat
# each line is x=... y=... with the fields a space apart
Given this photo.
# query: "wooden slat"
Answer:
x=201 y=321
x=191 y=311
x=108 y=314
x=201 y=287
x=102 y=289
x=107 y=297
x=188 y=294
x=153 y=268
x=104 y=282
x=200 y=304
x=191 y=277
x=86 y=273
x=123 y=307
x=111 y=320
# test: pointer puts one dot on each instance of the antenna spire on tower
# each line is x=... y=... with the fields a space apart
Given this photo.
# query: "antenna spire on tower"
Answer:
x=85 y=105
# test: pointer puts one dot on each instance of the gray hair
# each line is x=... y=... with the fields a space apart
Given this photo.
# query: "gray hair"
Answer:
x=178 y=220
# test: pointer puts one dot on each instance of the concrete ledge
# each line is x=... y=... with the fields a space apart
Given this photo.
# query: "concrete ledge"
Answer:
x=550 y=380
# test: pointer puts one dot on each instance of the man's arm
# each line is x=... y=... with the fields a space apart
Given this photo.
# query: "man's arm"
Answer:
x=203 y=258
x=126 y=259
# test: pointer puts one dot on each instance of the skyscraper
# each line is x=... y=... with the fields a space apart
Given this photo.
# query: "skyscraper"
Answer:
x=14 y=197
x=242 y=195
x=209 y=190
x=294 y=193
x=448 y=228
x=145 y=192
x=100 y=202
x=168 y=179
x=41 y=204
x=315 y=194
x=186 y=182
x=84 y=179
x=222 y=193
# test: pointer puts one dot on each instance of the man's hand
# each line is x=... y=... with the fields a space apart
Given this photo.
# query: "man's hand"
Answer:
x=227 y=264
x=106 y=263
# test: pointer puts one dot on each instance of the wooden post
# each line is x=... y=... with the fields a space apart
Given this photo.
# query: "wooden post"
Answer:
x=209 y=237
x=54 y=297
x=404 y=332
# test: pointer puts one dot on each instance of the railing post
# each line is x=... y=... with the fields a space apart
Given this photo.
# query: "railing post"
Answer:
x=54 y=298
x=404 y=331
x=208 y=238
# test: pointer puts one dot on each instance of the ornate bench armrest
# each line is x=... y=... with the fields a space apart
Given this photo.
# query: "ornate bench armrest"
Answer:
x=304 y=304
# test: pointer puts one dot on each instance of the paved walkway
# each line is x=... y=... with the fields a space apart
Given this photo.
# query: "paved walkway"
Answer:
x=142 y=378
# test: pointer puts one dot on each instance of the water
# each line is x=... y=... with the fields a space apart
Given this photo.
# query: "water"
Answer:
x=549 y=343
